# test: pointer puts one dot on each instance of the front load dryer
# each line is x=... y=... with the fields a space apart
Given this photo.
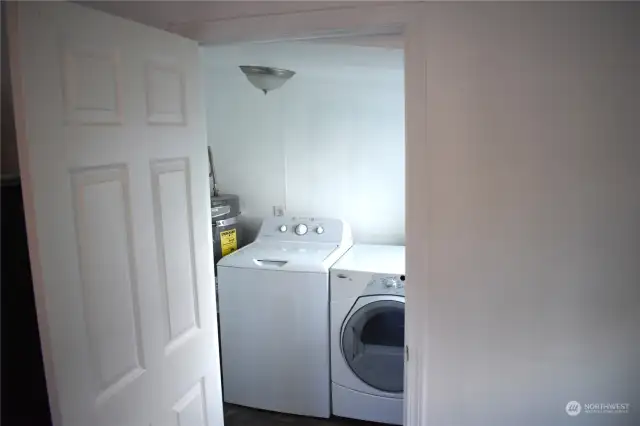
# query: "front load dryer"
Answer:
x=367 y=334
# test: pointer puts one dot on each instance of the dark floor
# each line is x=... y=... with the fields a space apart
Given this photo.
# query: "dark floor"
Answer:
x=235 y=415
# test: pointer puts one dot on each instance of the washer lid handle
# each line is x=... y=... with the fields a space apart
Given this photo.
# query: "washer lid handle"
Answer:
x=267 y=262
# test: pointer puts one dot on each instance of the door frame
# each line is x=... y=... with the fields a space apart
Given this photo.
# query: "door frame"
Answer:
x=407 y=20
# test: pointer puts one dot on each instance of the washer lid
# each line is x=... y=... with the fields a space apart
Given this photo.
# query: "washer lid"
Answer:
x=282 y=256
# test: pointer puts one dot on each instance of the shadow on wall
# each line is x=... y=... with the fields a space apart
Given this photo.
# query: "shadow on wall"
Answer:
x=250 y=227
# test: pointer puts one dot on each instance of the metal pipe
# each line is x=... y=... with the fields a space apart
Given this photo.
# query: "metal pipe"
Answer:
x=212 y=174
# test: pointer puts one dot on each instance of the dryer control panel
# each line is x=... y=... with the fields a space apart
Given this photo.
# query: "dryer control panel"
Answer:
x=304 y=229
x=385 y=284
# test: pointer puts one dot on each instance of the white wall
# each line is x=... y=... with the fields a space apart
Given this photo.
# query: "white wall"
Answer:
x=330 y=142
x=524 y=212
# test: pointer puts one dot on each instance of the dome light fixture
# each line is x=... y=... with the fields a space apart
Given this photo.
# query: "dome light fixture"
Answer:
x=266 y=78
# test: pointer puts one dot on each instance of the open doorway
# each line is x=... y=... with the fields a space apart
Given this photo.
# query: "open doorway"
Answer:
x=329 y=143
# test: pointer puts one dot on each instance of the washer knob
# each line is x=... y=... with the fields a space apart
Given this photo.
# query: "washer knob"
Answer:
x=320 y=230
x=283 y=228
x=301 y=229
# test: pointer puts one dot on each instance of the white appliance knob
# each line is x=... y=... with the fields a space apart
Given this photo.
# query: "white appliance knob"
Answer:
x=301 y=229
x=390 y=283
x=283 y=228
x=320 y=230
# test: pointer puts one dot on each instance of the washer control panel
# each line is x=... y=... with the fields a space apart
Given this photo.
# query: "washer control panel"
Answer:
x=386 y=284
x=304 y=229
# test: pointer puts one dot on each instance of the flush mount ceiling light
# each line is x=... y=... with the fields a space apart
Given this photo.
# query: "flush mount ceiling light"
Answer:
x=266 y=78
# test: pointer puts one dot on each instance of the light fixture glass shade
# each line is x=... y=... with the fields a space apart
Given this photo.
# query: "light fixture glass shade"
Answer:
x=266 y=78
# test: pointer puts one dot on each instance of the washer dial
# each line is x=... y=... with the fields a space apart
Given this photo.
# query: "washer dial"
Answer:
x=301 y=229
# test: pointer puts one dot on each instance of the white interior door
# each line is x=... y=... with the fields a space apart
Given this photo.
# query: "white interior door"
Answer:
x=112 y=145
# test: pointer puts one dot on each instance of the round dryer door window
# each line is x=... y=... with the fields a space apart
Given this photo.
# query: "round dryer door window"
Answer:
x=373 y=344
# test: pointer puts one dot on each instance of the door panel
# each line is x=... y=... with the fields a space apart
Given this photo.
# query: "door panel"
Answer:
x=91 y=83
x=112 y=145
x=190 y=408
x=172 y=214
x=165 y=92
x=108 y=276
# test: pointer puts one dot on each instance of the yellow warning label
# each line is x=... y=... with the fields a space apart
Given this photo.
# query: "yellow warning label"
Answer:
x=228 y=241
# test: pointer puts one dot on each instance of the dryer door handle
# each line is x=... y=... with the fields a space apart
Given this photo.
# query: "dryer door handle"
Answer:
x=356 y=344
x=353 y=345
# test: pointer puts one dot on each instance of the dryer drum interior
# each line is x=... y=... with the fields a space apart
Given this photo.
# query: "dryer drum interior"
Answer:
x=373 y=344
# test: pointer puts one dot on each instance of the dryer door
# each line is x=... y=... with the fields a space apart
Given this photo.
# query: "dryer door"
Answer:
x=373 y=342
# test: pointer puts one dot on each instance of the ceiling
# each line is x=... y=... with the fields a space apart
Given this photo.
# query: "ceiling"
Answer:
x=173 y=16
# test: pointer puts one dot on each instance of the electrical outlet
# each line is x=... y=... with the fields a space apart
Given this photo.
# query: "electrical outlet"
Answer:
x=278 y=210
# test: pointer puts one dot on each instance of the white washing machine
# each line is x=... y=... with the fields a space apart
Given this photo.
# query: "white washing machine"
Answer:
x=367 y=334
x=274 y=316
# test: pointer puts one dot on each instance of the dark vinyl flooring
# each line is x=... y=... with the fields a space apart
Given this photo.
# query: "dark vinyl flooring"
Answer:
x=235 y=415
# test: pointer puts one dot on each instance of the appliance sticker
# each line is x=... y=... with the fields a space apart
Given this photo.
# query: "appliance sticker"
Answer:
x=228 y=241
